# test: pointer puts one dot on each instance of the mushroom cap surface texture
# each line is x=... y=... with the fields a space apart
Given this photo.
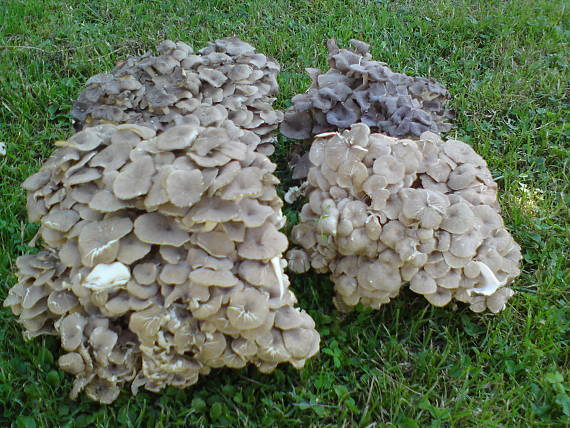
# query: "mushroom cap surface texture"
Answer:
x=357 y=88
x=178 y=270
x=380 y=213
x=228 y=79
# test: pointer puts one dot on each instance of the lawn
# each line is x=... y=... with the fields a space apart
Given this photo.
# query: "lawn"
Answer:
x=408 y=365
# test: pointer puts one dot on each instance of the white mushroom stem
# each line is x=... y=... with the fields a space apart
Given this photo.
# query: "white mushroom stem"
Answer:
x=279 y=274
x=491 y=283
x=103 y=276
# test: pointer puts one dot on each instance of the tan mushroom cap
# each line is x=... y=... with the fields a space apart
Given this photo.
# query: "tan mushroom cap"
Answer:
x=102 y=341
x=248 y=309
x=106 y=202
x=252 y=213
x=131 y=249
x=134 y=179
x=300 y=342
x=99 y=240
x=71 y=363
x=178 y=137
x=155 y=228
x=423 y=283
x=458 y=219
x=215 y=243
x=440 y=298
x=262 y=243
x=61 y=302
x=112 y=157
x=71 y=330
x=102 y=391
x=288 y=318
x=60 y=220
x=390 y=168
x=210 y=277
x=247 y=183
x=145 y=273
x=184 y=188
x=257 y=273
x=213 y=210
x=146 y=324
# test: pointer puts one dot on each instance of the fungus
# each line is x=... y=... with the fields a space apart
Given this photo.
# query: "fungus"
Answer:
x=165 y=269
x=359 y=89
x=398 y=227
x=178 y=87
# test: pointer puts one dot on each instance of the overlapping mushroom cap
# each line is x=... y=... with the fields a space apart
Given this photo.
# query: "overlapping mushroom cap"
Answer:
x=228 y=79
x=359 y=89
x=162 y=259
x=383 y=212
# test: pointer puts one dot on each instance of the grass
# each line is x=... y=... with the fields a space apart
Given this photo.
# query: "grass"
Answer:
x=408 y=365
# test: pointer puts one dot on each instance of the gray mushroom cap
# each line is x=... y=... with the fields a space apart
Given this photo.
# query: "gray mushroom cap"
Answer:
x=262 y=243
x=248 y=309
x=155 y=228
x=412 y=228
x=135 y=179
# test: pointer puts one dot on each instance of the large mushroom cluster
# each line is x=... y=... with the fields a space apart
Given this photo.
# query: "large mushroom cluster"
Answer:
x=162 y=258
x=384 y=212
x=359 y=89
x=227 y=79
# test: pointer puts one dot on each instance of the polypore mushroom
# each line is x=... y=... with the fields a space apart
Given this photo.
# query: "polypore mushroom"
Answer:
x=399 y=227
x=359 y=89
x=179 y=87
x=158 y=264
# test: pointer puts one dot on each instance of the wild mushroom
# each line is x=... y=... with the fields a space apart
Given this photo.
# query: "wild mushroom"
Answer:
x=359 y=89
x=151 y=283
x=401 y=225
x=166 y=90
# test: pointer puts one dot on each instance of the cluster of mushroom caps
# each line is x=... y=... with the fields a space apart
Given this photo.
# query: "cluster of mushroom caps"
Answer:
x=359 y=89
x=227 y=79
x=383 y=212
x=160 y=220
x=163 y=258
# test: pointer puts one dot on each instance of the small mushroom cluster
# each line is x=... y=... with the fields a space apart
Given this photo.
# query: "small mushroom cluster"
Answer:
x=359 y=89
x=227 y=79
x=162 y=258
x=383 y=212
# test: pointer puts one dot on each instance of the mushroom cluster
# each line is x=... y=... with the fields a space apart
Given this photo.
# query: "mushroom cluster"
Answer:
x=227 y=79
x=359 y=89
x=383 y=212
x=162 y=258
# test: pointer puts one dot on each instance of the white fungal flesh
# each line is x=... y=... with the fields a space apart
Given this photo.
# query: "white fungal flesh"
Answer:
x=279 y=274
x=2 y=149
x=326 y=134
x=104 y=277
x=292 y=194
x=491 y=284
